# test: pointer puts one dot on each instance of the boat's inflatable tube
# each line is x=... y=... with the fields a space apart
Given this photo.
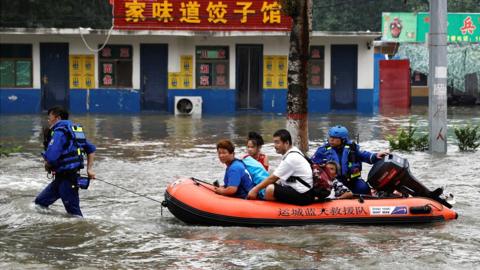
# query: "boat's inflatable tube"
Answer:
x=194 y=202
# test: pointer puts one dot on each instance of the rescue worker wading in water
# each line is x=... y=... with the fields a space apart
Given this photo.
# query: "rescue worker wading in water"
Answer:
x=349 y=156
x=65 y=146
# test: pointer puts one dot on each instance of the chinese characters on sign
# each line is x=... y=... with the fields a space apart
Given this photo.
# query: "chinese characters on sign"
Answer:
x=468 y=26
x=408 y=27
x=332 y=211
x=462 y=27
x=200 y=15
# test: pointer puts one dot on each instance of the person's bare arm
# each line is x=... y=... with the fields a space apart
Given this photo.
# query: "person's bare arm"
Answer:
x=252 y=195
x=226 y=191
x=346 y=195
x=90 y=160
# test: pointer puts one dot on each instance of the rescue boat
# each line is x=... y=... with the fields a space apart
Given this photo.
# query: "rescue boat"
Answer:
x=194 y=202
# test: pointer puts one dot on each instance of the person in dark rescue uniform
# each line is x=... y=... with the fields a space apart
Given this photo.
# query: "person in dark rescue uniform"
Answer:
x=65 y=145
x=349 y=156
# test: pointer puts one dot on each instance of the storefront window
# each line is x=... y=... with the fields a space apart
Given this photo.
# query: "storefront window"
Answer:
x=15 y=65
x=115 y=66
x=316 y=67
x=212 y=67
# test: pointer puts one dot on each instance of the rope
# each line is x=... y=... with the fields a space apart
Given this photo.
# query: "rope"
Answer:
x=106 y=40
x=101 y=47
x=196 y=180
x=202 y=182
x=131 y=191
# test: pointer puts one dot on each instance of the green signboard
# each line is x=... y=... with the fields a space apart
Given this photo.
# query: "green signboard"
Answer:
x=462 y=27
x=399 y=27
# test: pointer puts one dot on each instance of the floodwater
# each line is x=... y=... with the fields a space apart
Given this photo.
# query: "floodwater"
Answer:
x=144 y=153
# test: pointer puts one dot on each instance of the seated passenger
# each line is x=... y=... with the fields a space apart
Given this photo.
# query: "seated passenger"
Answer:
x=237 y=181
x=254 y=147
x=292 y=180
x=339 y=191
x=349 y=156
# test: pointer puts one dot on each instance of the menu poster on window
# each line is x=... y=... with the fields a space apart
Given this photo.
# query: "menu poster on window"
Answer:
x=82 y=72
x=107 y=73
x=205 y=80
x=116 y=52
x=220 y=74
x=205 y=74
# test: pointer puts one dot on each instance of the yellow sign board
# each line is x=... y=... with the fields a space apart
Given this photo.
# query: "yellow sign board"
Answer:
x=82 y=71
x=275 y=71
x=174 y=80
x=184 y=78
x=186 y=64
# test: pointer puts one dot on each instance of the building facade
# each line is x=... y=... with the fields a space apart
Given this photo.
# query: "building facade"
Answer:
x=143 y=70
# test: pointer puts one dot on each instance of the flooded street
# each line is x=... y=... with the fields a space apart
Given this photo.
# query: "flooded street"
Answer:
x=146 y=152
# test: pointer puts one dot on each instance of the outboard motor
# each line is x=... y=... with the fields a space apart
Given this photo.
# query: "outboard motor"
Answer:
x=393 y=173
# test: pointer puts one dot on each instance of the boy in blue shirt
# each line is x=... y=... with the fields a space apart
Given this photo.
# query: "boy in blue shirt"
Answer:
x=237 y=180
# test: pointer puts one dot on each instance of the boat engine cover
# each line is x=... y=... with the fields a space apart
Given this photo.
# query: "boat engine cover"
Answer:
x=386 y=174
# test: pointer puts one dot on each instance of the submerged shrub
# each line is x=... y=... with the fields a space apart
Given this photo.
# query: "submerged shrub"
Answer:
x=404 y=140
x=6 y=151
x=468 y=137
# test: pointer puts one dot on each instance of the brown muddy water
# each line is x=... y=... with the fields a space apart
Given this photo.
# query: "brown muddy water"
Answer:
x=146 y=152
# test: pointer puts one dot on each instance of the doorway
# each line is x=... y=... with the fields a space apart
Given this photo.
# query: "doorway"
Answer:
x=249 y=76
x=344 y=77
x=54 y=75
x=153 y=74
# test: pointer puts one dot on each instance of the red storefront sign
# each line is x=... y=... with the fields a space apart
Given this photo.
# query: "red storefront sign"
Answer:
x=203 y=15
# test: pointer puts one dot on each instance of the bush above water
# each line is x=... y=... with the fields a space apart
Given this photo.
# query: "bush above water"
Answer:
x=404 y=140
x=468 y=137
x=6 y=151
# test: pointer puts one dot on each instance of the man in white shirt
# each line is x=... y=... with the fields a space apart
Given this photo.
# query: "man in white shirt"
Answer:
x=292 y=180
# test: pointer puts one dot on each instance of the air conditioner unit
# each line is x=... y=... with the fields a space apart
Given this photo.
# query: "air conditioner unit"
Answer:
x=185 y=105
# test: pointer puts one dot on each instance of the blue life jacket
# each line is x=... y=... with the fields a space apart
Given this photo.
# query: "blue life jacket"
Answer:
x=255 y=169
x=351 y=163
x=71 y=159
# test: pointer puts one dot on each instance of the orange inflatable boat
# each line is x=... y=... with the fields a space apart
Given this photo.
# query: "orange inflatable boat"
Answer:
x=194 y=202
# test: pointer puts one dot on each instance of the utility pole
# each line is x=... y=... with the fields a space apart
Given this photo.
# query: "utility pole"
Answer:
x=437 y=77
x=297 y=96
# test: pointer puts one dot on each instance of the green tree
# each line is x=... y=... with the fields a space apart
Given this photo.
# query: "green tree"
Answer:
x=60 y=14
x=328 y=15
x=363 y=15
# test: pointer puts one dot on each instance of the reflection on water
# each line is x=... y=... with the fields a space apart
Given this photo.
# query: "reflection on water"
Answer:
x=146 y=152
